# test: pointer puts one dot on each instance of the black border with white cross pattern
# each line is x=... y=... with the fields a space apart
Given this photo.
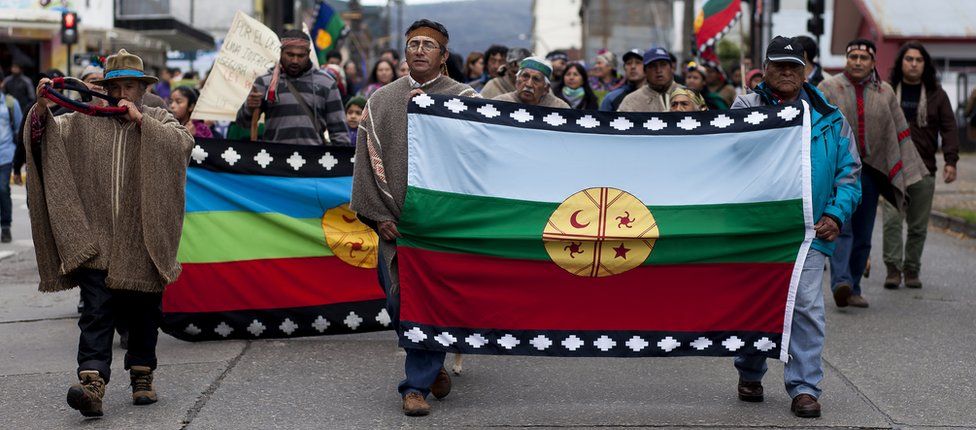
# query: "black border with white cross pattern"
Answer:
x=608 y=123
x=338 y=318
x=590 y=343
x=272 y=159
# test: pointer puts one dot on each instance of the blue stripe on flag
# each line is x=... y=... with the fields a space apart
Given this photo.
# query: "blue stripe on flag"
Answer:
x=296 y=197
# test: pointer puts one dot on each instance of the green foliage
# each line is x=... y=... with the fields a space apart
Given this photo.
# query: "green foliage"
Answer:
x=966 y=214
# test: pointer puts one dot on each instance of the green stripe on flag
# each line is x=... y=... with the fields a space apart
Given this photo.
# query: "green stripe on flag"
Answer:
x=210 y=237
x=764 y=232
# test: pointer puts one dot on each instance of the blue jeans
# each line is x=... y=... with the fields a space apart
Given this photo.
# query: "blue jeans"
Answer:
x=421 y=366
x=804 y=371
x=854 y=243
x=6 y=208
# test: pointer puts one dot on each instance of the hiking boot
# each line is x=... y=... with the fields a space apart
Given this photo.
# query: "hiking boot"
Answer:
x=911 y=279
x=805 y=406
x=857 y=302
x=414 y=405
x=842 y=294
x=5 y=236
x=750 y=391
x=893 y=280
x=442 y=385
x=141 y=378
x=86 y=396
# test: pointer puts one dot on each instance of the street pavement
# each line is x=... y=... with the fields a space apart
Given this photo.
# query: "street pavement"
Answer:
x=909 y=361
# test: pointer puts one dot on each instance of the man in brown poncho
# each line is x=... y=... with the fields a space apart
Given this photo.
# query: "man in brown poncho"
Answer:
x=106 y=204
x=380 y=185
x=532 y=86
x=890 y=162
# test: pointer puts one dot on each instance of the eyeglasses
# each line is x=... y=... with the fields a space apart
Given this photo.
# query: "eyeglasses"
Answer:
x=425 y=46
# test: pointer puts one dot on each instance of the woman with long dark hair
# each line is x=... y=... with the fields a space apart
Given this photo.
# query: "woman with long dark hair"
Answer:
x=383 y=73
x=575 y=89
x=929 y=114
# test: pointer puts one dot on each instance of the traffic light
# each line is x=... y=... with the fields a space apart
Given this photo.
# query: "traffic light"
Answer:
x=69 y=28
x=815 y=25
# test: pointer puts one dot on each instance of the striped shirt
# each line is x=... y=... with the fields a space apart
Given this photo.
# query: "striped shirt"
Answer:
x=286 y=121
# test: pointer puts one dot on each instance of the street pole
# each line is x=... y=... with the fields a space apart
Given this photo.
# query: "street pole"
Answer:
x=399 y=35
x=688 y=30
x=68 y=72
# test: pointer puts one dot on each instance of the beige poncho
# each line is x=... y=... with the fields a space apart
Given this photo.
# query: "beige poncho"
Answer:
x=497 y=87
x=887 y=145
x=379 y=184
x=645 y=99
x=548 y=100
x=108 y=195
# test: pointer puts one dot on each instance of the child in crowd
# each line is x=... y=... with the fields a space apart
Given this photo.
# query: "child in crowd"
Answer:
x=354 y=112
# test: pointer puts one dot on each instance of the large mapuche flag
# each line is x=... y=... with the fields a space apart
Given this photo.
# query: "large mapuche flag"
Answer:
x=539 y=231
x=270 y=247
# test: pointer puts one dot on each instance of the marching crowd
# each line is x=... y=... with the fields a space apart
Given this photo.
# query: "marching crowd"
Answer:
x=873 y=141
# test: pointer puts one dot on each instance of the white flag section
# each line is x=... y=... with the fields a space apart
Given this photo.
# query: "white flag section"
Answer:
x=249 y=50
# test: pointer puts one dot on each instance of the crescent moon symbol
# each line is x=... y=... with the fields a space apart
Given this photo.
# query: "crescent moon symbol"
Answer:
x=349 y=220
x=575 y=223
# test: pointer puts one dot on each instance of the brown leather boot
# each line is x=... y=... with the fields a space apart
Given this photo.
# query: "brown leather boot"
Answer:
x=911 y=279
x=842 y=294
x=442 y=385
x=750 y=391
x=141 y=379
x=414 y=405
x=805 y=406
x=893 y=280
x=86 y=396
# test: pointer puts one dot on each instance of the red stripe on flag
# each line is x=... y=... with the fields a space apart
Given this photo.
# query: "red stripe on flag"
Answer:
x=904 y=133
x=468 y=291
x=894 y=170
x=269 y=284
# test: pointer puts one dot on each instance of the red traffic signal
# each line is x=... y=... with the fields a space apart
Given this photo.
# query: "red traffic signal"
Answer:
x=69 y=20
x=69 y=28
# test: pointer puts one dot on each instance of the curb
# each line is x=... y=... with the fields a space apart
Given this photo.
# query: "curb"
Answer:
x=955 y=224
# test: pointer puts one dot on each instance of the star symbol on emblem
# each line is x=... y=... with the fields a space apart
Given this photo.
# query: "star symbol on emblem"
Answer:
x=621 y=251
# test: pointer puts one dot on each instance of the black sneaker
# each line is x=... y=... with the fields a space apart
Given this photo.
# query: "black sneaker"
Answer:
x=5 y=236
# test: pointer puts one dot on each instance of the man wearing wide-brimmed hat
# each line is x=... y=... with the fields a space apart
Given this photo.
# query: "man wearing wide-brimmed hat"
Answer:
x=106 y=207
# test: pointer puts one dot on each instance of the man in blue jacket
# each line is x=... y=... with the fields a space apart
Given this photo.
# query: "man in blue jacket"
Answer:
x=10 y=118
x=836 y=171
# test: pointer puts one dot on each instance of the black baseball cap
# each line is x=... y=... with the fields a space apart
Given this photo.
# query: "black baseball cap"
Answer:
x=785 y=49
x=633 y=53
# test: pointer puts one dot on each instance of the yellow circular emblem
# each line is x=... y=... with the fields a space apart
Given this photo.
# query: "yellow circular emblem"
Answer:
x=323 y=39
x=600 y=232
x=350 y=240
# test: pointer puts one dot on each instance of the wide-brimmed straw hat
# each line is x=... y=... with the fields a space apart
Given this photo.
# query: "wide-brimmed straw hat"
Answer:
x=124 y=65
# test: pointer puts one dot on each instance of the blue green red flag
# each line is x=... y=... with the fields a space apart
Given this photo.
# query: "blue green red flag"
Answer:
x=270 y=248
x=327 y=30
